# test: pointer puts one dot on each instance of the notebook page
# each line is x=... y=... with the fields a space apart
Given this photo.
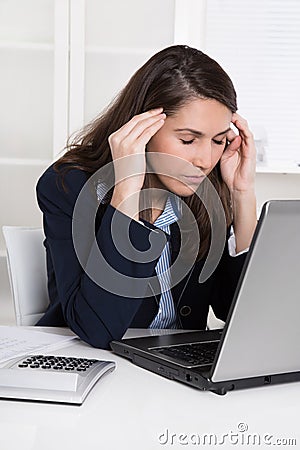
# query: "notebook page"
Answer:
x=17 y=341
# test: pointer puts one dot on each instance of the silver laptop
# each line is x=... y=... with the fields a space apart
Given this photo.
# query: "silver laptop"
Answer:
x=260 y=343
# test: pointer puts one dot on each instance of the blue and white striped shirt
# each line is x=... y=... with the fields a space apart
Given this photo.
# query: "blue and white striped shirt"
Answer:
x=166 y=316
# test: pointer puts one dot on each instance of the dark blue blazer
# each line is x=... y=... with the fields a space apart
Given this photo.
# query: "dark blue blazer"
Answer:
x=95 y=314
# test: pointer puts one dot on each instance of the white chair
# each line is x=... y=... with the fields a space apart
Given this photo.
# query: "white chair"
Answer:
x=26 y=260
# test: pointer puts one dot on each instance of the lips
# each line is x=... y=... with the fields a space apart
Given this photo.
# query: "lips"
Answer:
x=193 y=179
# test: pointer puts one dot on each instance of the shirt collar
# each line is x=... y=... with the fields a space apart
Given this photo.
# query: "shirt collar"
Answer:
x=171 y=213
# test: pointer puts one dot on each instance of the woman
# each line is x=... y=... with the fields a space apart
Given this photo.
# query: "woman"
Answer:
x=148 y=178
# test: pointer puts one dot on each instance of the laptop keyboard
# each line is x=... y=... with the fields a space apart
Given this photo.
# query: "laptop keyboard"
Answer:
x=199 y=353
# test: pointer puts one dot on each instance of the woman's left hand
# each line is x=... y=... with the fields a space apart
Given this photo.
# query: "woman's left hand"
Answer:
x=239 y=159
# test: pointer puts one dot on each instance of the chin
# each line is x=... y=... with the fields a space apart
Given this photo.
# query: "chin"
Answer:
x=182 y=190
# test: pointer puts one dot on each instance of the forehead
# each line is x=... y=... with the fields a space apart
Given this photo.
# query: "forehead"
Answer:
x=202 y=115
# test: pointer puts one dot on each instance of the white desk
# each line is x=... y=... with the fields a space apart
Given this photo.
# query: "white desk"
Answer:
x=131 y=408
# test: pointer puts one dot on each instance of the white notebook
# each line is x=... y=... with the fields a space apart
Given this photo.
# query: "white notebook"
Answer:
x=17 y=341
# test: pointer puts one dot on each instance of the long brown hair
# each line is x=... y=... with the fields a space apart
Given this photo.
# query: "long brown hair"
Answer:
x=169 y=79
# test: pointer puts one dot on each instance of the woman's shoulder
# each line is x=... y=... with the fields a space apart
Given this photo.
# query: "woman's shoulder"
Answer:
x=62 y=179
x=60 y=185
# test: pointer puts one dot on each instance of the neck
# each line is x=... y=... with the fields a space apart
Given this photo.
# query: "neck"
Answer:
x=153 y=198
x=154 y=203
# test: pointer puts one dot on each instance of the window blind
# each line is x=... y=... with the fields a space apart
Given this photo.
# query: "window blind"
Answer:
x=258 y=44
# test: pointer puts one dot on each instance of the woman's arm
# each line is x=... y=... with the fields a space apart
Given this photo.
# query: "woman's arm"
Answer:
x=238 y=171
x=244 y=218
x=128 y=146
x=93 y=311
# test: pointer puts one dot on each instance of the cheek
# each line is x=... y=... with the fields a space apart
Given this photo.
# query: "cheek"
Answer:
x=168 y=164
x=217 y=155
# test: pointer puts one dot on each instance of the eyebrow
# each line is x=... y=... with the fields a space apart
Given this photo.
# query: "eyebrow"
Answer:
x=199 y=133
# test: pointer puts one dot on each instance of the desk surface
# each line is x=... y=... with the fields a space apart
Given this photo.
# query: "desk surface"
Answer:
x=135 y=409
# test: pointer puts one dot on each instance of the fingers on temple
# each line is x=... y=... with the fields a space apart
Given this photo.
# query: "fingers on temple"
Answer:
x=242 y=125
x=133 y=129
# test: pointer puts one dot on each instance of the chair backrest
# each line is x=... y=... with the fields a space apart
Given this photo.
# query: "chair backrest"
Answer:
x=26 y=260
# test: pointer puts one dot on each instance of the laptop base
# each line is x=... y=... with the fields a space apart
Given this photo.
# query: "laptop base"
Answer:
x=137 y=351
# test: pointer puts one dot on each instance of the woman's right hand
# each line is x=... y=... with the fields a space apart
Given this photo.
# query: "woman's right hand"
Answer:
x=128 y=153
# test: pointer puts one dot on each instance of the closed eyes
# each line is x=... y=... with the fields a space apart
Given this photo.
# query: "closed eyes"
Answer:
x=187 y=142
x=192 y=140
x=219 y=142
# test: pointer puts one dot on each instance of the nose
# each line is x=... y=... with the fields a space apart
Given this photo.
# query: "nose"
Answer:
x=202 y=156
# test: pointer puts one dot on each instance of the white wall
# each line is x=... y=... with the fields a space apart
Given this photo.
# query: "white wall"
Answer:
x=276 y=186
